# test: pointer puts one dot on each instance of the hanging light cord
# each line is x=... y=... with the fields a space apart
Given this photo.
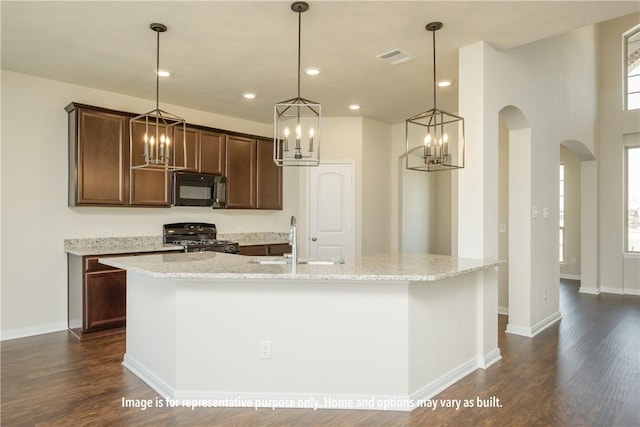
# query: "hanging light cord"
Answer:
x=299 y=38
x=434 y=69
x=157 y=70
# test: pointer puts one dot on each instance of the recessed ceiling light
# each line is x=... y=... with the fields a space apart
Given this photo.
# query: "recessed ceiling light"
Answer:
x=164 y=73
x=354 y=107
x=249 y=95
x=312 y=71
x=444 y=83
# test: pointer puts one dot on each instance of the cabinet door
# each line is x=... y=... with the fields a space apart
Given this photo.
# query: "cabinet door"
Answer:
x=99 y=158
x=269 y=177
x=241 y=172
x=148 y=187
x=191 y=141
x=254 y=250
x=279 y=249
x=106 y=300
x=212 y=152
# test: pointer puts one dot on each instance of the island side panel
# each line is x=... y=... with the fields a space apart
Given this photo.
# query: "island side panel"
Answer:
x=151 y=331
x=488 y=350
x=443 y=333
x=327 y=338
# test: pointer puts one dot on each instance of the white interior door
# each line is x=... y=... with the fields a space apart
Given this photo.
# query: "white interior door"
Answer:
x=331 y=211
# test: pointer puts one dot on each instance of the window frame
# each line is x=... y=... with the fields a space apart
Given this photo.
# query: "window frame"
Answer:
x=627 y=148
x=625 y=72
x=561 y=213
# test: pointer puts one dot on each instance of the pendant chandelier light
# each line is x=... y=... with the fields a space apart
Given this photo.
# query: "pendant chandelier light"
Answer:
x=296 y=140
x=434 y=138
x=154 y=134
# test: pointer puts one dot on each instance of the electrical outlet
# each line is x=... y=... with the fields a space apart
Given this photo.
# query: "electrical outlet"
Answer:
x=544 y=295
x=106 y=232
x=265 y=349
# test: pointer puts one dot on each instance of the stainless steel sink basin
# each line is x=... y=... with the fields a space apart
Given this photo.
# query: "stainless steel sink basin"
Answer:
x=280 y=261
x=321 y=261
x=287 y=260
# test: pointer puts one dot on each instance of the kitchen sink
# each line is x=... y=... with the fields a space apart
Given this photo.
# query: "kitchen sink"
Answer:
x=321 y=261
x=287 y=260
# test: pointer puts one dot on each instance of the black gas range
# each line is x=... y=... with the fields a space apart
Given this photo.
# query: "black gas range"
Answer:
x=197 y=237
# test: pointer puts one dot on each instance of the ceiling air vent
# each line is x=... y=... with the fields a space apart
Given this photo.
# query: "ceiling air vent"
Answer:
x=396 y=56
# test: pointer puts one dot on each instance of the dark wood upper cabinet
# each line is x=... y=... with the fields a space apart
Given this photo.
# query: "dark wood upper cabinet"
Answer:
x=98 y=156
x=206 y=150
x=241 y=172
x=191 y=142
x=148 y=187
x=269 y=177
x=212 y=152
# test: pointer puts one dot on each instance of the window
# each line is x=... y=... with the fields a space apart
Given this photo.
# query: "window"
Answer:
x=633 y=198
x=632 y=69
x=561 y=213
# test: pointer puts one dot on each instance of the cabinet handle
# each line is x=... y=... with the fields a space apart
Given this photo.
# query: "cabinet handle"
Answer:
x=313 y=239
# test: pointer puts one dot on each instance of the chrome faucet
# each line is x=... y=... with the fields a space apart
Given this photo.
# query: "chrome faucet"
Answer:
x=293 y=241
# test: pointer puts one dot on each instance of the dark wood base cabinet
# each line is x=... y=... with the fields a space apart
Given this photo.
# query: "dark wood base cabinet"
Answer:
x=97 y=294
x=276 y=249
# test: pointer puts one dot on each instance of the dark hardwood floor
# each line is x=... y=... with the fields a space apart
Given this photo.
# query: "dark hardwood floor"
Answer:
x=583 y=371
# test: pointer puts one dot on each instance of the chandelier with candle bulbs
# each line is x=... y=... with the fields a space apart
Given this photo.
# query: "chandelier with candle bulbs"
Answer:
x=163 y=133
x=296 y=140
x=434 y=138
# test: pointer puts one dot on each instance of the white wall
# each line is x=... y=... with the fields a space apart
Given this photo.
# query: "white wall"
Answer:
x=570 y=269
x=503 y=218
x=421 y=215
x=376 y=209
x=614 y=123
x=35 y=215
x=552 y=82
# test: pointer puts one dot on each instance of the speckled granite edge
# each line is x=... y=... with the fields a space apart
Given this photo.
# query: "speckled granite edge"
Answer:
x=116 y=245
x=257 y=238
x=380 y=267
x=136 y=244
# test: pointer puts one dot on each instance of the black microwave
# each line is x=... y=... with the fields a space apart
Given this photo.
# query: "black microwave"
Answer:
x=198 y=189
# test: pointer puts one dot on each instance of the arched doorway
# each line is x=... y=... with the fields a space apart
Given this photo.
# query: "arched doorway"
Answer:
x=425 y=210
x=514 y=241
x=581 y=221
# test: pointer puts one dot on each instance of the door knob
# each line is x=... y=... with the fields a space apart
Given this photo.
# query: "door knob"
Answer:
x=313 y=239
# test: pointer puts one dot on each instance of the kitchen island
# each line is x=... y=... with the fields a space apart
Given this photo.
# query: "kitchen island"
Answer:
x=383 y=331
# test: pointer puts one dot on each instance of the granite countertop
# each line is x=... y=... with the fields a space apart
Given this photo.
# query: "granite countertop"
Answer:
x=387 y=267
x=124 y=245
x=117 y=245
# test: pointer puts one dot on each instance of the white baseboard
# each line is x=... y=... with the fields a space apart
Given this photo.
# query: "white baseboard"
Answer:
x=617 y=291
x=519 y=330
x=163 y=389
x=531 y=332
x=445 y=381
x=587 y=290
x=503 y=310
x=185 y=398
x=544 y=324
x=33 y=330
x=490 y=359
x=570 y=276
x=632 y=292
